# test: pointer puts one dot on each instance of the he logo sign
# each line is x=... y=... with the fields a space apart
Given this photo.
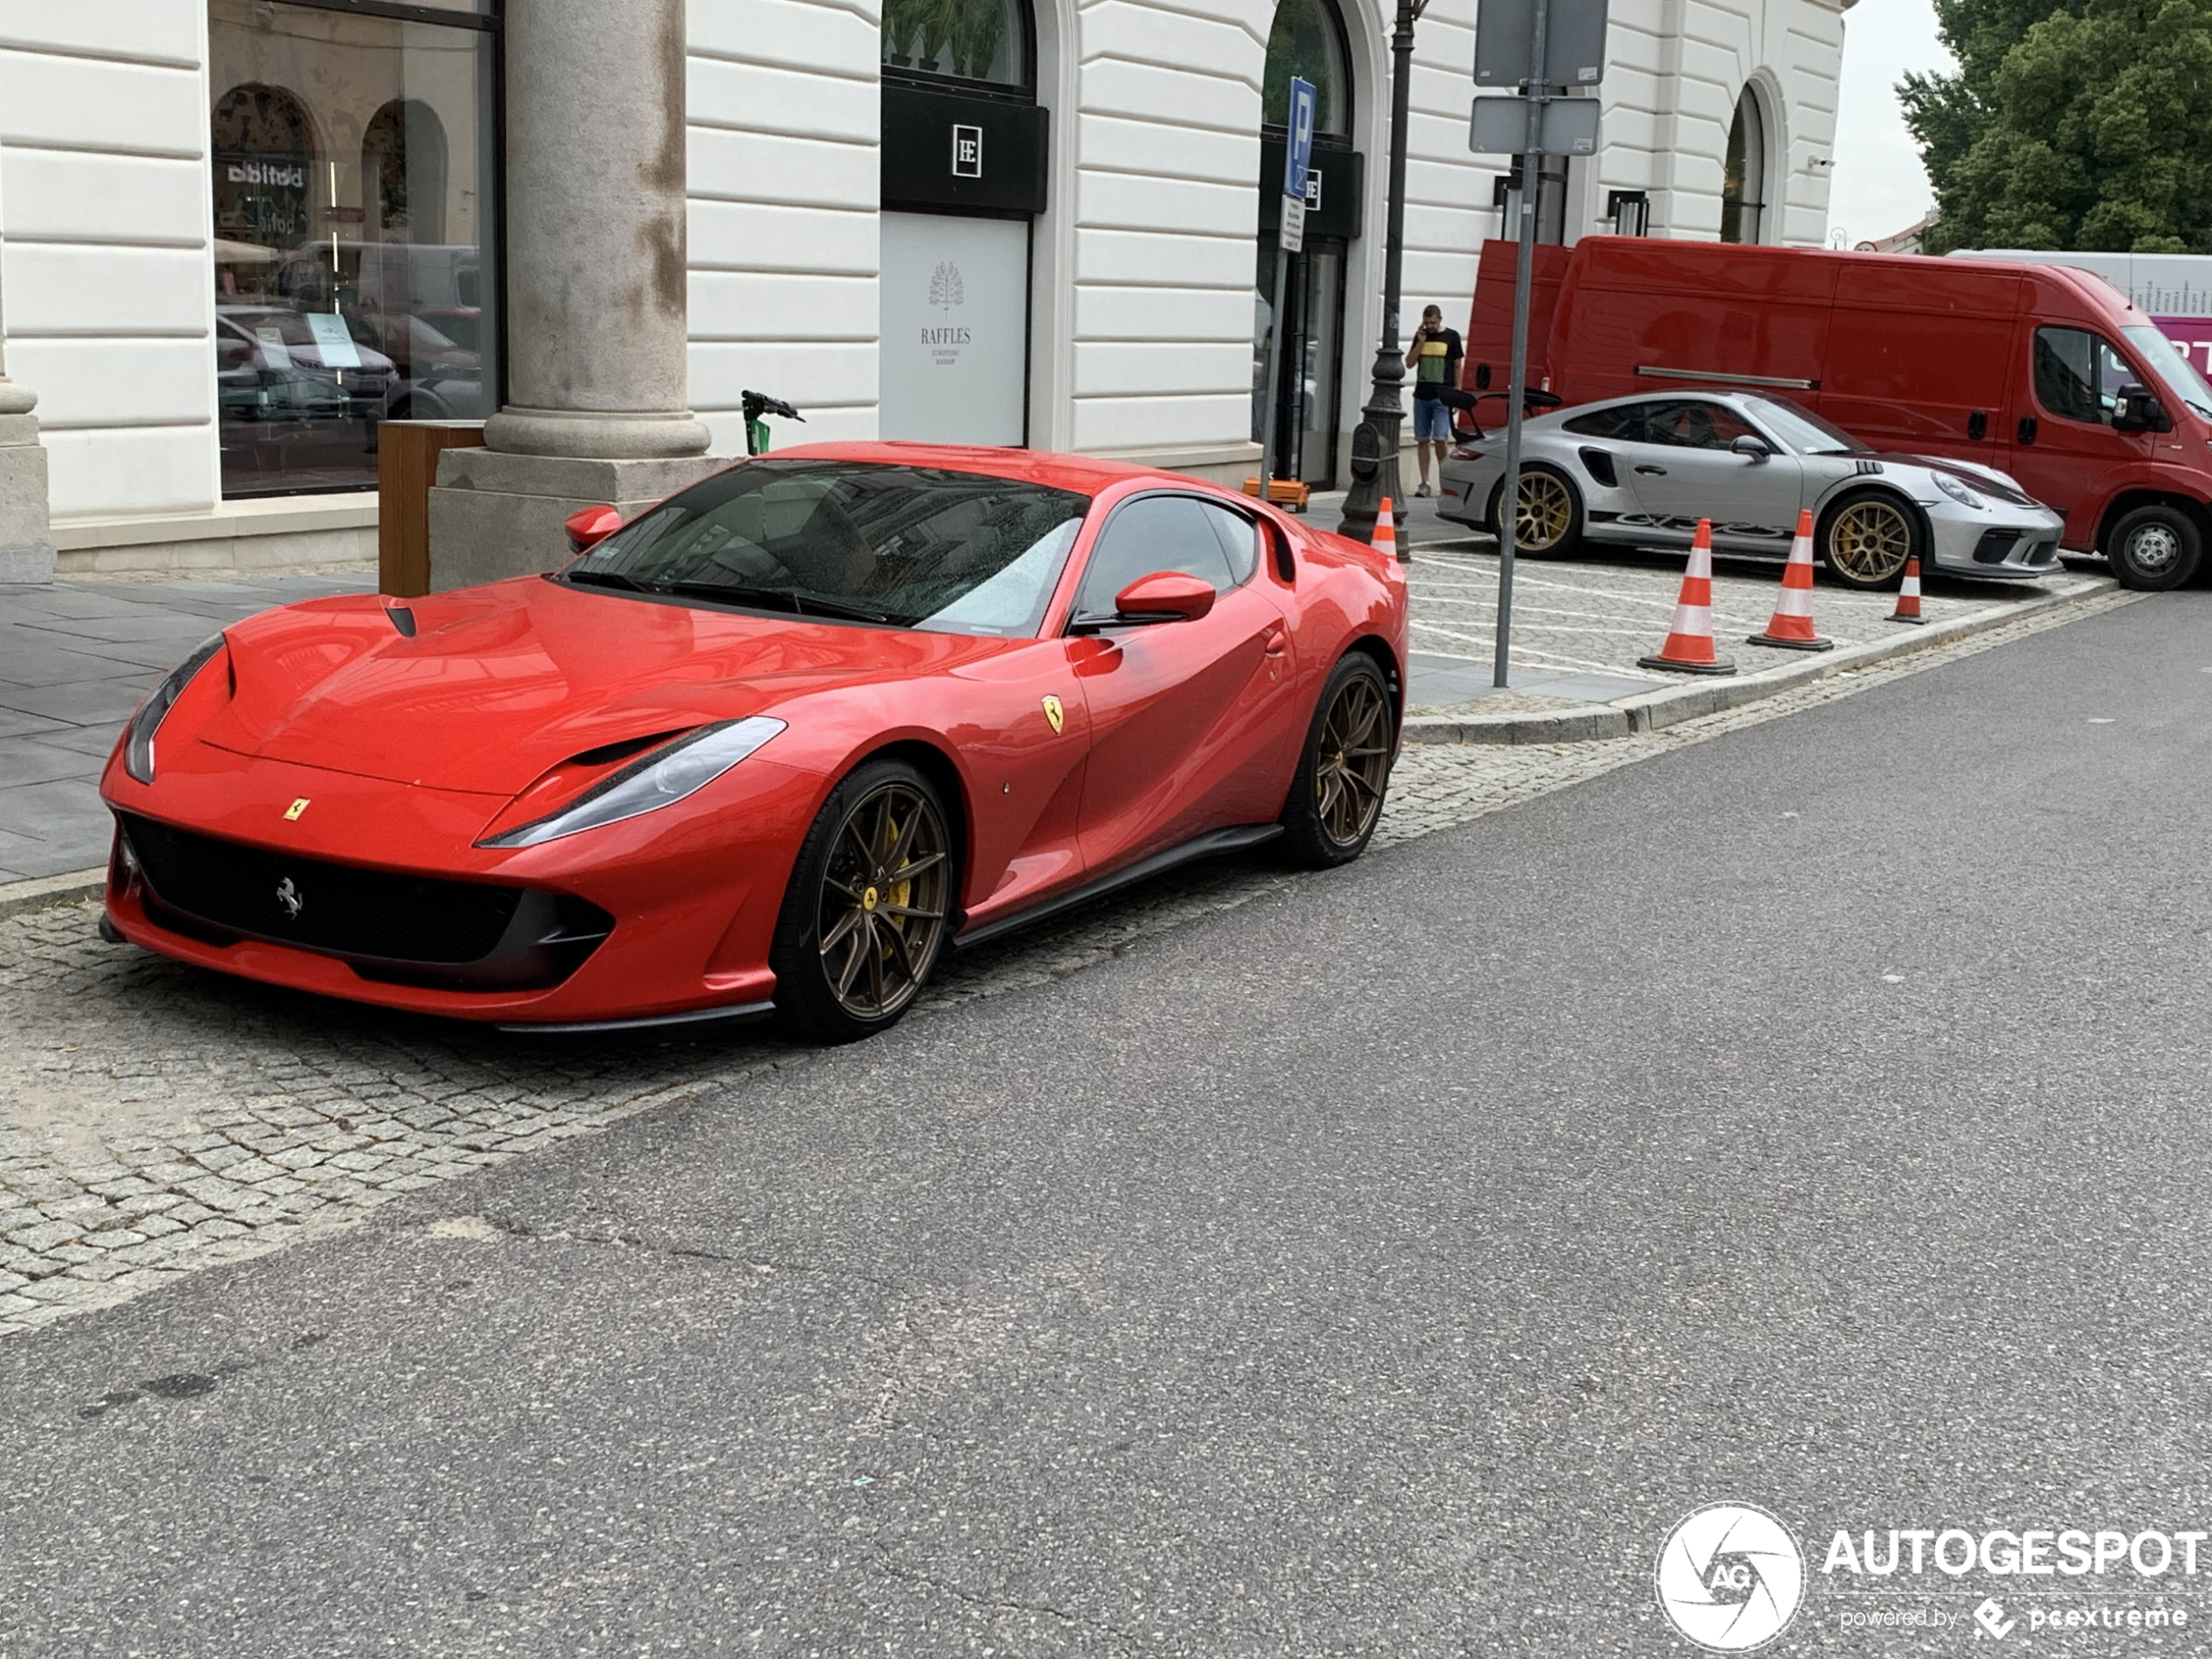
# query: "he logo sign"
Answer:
x=968 y=152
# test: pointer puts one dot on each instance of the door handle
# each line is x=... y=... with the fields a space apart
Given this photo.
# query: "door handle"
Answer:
x=2026 y=428
x=1656 y=472
x=1978 y=424
x=1276 y=639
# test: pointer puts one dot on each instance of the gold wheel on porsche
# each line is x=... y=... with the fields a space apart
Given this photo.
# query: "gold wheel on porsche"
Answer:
x=1545 y=510
x=1353 y=764
x=1868 y=542
x=883 y=902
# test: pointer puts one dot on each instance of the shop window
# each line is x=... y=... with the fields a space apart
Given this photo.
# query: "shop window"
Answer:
x=356 y=251
x=1307 y=41
x=965 y=40
x=1743 y=180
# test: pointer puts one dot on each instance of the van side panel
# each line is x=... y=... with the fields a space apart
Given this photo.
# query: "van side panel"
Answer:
x=1917 y=350
x=1639 y=314
x=1489 y=335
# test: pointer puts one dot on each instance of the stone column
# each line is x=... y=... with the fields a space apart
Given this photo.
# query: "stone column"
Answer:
x=595 y=281
x=26 y=537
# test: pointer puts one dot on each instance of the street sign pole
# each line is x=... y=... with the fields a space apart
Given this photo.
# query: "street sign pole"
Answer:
x=1298 y=155
x=1516 y=379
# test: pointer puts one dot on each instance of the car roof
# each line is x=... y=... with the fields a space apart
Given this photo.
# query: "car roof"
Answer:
x=1085 y=475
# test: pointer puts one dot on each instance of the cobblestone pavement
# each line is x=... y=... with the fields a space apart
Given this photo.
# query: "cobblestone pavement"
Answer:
x=155 y=1119
x=1580 y=626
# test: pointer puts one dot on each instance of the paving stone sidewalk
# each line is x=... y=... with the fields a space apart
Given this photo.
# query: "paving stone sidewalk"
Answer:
x=75 y=659
x=155 y=1120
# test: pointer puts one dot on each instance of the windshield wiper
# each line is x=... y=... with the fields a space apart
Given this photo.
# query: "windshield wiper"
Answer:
x=607 y=579
x=772 y=598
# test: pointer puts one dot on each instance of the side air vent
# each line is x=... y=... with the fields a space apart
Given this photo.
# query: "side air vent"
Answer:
x=1599 y=465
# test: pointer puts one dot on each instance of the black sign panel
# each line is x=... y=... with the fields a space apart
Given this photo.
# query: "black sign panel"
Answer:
x=948 y=153
x=1333 y=183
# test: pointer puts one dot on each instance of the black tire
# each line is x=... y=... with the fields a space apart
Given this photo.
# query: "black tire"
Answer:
x=1319 y=829
x=1540 y=487
x=2154 y=548
x=1865 y=537
x=835 y=894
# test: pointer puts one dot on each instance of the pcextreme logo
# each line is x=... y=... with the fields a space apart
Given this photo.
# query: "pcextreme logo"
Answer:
x=1731 y=1577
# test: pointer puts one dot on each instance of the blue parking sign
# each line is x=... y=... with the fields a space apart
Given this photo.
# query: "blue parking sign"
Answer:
x=1299 y=151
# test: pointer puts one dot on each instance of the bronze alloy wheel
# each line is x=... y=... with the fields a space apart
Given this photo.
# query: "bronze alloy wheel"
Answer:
x=1545 y=512
x=1354 y=761
x=1869 y=541
x=882 y=906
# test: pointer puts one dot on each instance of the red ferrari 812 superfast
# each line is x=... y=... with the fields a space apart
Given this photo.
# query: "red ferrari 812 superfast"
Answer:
x=773 y=746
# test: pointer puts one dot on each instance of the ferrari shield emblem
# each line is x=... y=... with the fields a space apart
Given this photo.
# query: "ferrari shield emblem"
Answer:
x=292 y=813
x=1054 y=713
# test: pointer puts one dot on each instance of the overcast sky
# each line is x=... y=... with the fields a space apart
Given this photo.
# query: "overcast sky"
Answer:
x=1878 y=186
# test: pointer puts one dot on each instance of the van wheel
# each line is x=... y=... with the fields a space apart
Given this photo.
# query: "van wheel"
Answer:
x=1550 y=519
x=2154 y=548
x=1866 y=535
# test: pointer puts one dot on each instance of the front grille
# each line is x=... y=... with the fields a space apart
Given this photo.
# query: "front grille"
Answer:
x=1995 y=546
x=401 y=928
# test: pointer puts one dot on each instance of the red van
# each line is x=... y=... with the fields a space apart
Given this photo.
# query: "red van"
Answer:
x=2043 y=372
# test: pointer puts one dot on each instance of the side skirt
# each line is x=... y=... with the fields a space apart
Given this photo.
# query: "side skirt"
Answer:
x=736 y=1011
x=1202 y=846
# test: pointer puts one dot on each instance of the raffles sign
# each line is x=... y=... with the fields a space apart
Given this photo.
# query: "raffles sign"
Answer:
x=955 y=318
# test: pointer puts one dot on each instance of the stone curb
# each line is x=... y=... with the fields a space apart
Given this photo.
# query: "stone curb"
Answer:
x=47 y=890
x=1652 y=711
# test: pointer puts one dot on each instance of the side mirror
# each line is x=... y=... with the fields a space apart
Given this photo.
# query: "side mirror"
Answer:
x=589 y=526
x=1165 y=596
x=1751 y=446
x=2139 y=411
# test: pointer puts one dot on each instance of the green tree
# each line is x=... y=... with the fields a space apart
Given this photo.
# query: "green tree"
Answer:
x=2089 y=125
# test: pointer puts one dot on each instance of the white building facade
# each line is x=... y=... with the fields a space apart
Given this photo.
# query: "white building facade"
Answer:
x=235 y=235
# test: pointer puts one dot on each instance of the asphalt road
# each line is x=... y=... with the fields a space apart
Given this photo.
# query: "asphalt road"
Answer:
x=1814 y=1118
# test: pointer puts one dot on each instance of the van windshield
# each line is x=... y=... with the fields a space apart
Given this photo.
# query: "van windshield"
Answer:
x=1805 y=432
x=2168 y=363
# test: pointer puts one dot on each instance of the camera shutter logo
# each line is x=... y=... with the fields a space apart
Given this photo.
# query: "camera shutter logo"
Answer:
x=968 y=152
x=1731 y=1577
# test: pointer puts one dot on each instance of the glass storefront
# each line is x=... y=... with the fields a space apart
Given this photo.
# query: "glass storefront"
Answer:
x=356 y=252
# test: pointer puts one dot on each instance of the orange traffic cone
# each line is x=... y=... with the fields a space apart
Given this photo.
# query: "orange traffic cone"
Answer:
x=1908 y=595
x=1386 y=530
x=1689 y=649
x=1790 y=627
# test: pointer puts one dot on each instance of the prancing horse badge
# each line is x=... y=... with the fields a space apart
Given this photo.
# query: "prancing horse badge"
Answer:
x=1054 y=713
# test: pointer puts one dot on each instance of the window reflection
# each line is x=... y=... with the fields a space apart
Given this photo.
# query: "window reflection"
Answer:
x=353 y=247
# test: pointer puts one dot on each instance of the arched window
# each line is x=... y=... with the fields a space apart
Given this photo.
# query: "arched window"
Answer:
x=1308 y=41
x=1743 y=186
x=264 y=154
x=964 y=40
x=403 y=171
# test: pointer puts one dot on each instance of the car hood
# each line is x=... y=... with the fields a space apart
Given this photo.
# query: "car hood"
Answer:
x=500 y=683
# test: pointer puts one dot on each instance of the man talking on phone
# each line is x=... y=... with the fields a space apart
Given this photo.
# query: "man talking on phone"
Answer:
x=1434 y=358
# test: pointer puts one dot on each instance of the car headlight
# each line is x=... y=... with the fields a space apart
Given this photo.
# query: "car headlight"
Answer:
x=660 y=778
x=138 y=746
x=1956 y=490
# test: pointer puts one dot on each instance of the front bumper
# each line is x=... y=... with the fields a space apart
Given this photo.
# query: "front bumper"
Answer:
x=667 y=914
x=2015 y=547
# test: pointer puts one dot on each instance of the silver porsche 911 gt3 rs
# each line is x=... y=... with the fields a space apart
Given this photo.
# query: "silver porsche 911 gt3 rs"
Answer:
x=1643 y=470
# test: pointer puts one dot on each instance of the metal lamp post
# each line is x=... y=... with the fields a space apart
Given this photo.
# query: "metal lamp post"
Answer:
x=1374 y=442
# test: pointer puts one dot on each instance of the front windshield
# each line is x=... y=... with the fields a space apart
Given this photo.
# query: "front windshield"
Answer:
x=915 y=547
x=1805 y=432
x=2168 y=363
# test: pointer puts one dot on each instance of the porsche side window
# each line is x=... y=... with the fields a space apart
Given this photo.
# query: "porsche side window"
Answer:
x=1150 y=534
x=1622 y=425
x=1239 y=540
x=1692 y=424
